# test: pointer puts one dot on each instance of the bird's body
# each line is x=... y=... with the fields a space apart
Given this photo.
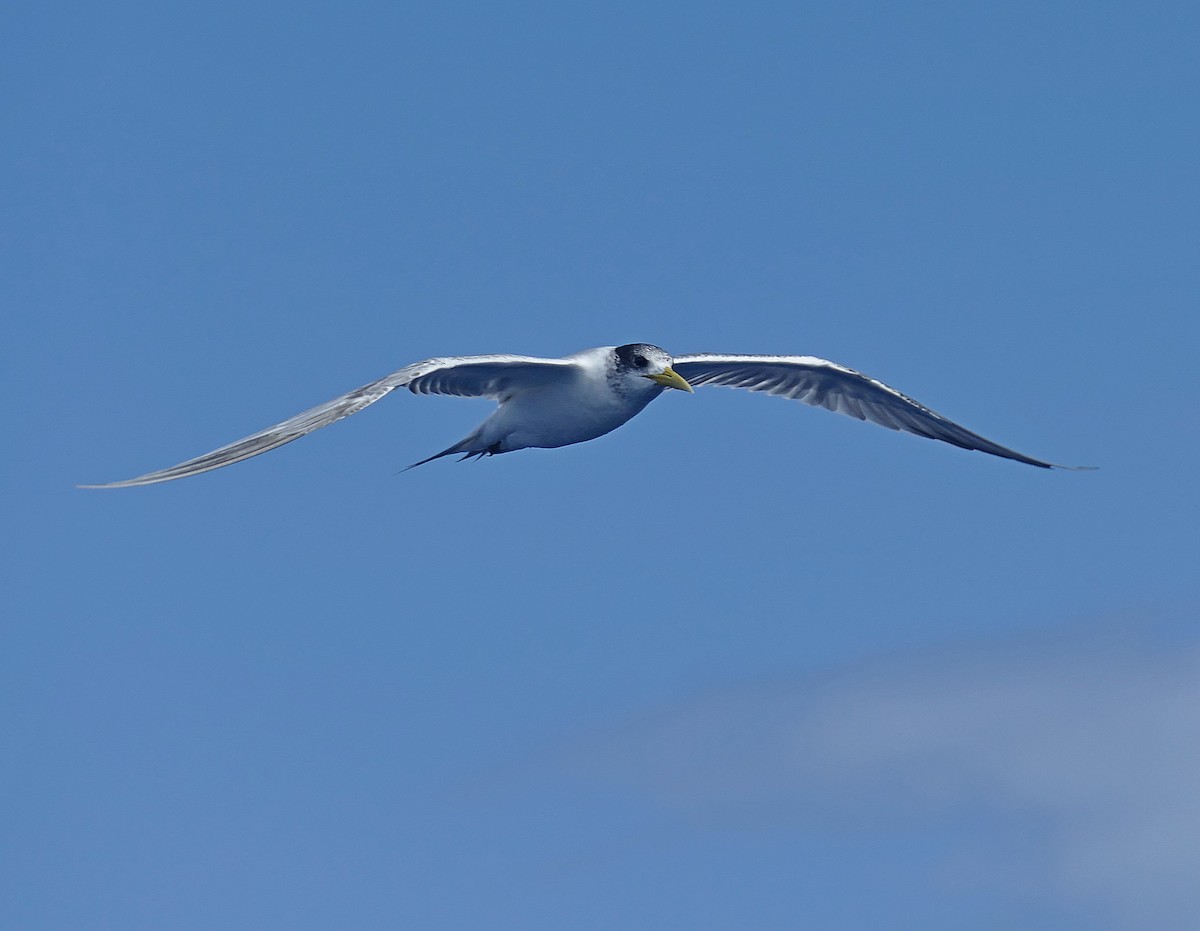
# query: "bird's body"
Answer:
x=559 y=405
x=558 y=402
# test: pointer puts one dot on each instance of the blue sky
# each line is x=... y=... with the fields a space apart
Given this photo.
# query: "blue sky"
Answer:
x=740 y=663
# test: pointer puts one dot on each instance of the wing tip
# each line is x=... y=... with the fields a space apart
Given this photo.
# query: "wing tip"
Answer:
x=127 y=483
x=150 y=478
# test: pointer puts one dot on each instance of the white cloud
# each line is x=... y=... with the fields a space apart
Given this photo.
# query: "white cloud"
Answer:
x=1098 y=747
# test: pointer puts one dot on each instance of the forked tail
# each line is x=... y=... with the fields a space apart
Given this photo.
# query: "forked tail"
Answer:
x=464 y=447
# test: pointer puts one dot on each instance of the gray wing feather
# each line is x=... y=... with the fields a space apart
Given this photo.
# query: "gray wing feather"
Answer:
x=495 y=376
x=836 y=388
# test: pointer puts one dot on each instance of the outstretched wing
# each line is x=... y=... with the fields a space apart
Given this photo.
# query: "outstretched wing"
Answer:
x=839 y=389
x=497 y=376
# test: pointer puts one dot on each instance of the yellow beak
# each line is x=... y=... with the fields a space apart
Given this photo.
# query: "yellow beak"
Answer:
x=669 y=378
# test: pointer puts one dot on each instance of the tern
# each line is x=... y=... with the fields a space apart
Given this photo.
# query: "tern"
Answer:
x=547 y=403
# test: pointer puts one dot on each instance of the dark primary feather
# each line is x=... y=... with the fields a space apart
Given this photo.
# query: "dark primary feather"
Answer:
x=836 y=388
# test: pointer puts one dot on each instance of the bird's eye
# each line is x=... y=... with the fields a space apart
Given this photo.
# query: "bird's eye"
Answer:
x=639 y=360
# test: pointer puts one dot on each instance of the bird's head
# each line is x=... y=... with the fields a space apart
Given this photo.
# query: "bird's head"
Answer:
x=641 y=360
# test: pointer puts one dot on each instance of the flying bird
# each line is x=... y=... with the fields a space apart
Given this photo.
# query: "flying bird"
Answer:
x=548 y=403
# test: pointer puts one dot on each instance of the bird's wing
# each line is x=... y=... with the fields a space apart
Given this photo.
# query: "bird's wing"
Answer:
x=496 y=376
x=839 y=389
